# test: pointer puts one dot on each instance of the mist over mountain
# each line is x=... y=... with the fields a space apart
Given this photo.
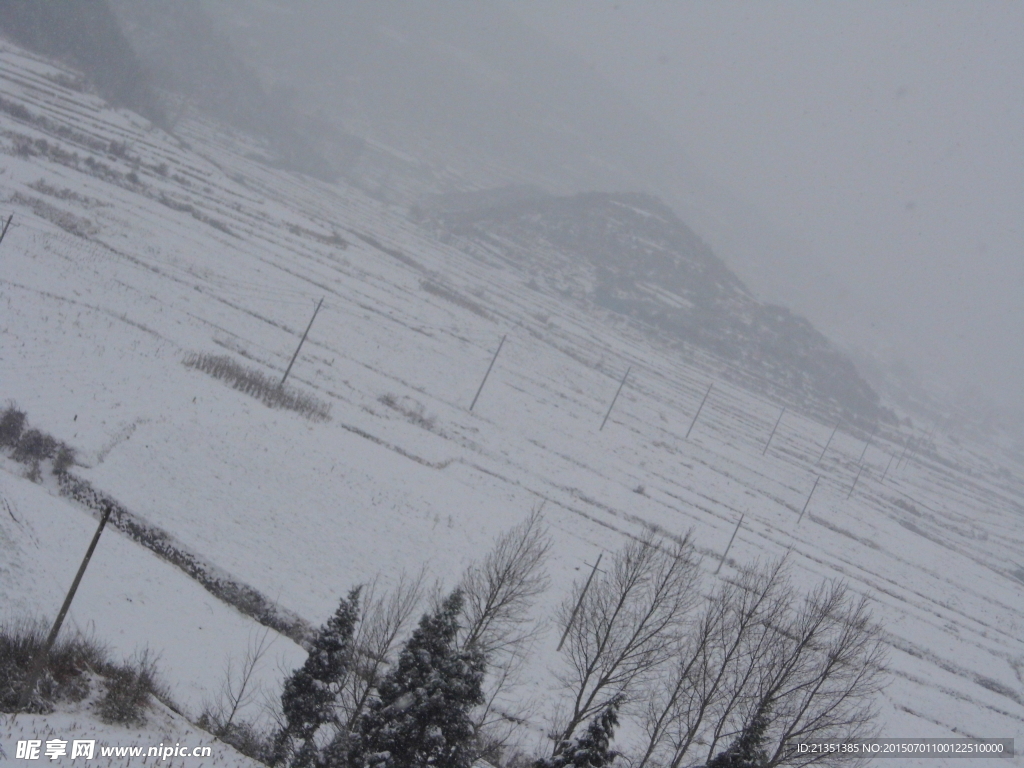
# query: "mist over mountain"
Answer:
x=453 y=97
x=630 y=254
x=86 y=36
x=408 y=101
x=187 y=55
x=470 y=96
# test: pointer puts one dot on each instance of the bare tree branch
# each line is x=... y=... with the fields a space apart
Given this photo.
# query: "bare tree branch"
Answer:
x=237 y=690
x=385 y=619
x=497 y=618
x=629 y=624
x=499 y=591
x=815 y=663
x=824 y=683
x=714 y=665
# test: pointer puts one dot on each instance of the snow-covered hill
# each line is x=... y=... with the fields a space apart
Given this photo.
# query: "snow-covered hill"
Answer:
x=632 y=255
x=131 y=250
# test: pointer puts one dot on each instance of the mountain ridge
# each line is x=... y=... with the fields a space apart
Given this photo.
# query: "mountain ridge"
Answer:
x=630 y=254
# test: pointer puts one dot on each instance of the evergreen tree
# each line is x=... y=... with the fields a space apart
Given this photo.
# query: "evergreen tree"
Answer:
x=747 y=751
x=591 y=750
x=422 y=715
x=310 y=693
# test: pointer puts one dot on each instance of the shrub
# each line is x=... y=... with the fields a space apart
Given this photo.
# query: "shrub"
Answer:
x=72 y=666
x=12 y=424
x=34 y=446
x=64 y=460
x=62 y=679
x=409 y=408
x=245 y=736
x=457 y=299
x=34 y=473
x=333 y=239
x=129 y=687
x=66 y=220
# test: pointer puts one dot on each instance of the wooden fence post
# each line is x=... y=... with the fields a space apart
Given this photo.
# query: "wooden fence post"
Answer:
x=301 y=341
x=481 y=387
x=621 y=384
x=855 y=481
x=726 y=553
x=828 y=443
x=40 y=661
x=891 y=457
x=861 y=459
x=781 y=414
x=699 y=409
x=816 y=479
x=6 y=225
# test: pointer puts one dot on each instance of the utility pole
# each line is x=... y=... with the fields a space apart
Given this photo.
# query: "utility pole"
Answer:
x=481 y=388
x=699 y=409
x=726 y=553
x=40 y=661
x=301 y=342
x=816 y=479
x=855 y=481
x=781 y=414
x=621 y=384
x=6 y=225
x=872 y=437
x=891 y=457
x=828 y=443
x=576 y=608
x=906 y=445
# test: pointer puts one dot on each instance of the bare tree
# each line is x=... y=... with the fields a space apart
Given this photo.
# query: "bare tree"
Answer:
x=629 y=624
x=499 y=590
x=497 y=619
x=824 y=678
x=238 y=689
x=714 y=665
x=385 y=617
x=814 y=664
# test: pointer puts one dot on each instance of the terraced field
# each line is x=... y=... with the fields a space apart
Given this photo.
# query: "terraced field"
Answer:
x=131 y=250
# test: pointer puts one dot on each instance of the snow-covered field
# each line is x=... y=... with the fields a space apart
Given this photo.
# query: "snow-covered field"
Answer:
x=122 y=261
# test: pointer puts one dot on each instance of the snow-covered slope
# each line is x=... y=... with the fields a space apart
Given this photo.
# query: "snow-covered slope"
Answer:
x=630 y=254
x=131 y=249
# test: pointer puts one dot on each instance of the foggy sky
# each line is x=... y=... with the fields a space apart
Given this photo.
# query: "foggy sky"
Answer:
x=883 y=142
x=861 y=163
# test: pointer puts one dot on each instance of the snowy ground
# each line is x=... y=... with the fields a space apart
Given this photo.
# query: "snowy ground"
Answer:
x=107 y=282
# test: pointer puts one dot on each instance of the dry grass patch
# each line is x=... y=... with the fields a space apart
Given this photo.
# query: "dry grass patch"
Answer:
x=257 y=384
